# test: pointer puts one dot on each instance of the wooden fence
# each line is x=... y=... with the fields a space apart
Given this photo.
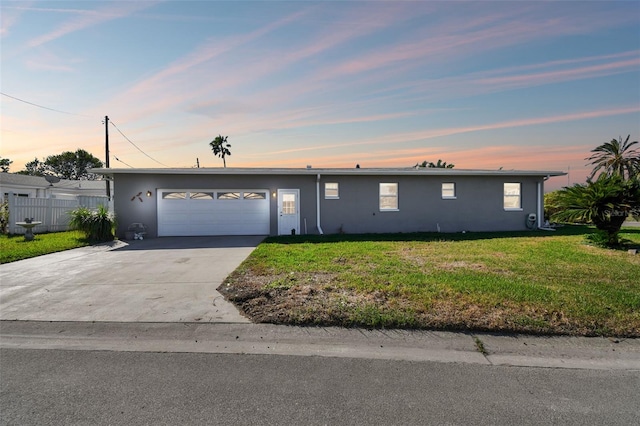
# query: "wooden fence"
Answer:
x=52 y=212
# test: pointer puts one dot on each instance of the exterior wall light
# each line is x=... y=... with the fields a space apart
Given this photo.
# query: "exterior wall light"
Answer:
x=149 y=193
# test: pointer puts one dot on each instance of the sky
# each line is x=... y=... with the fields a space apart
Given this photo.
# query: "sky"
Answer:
x=483 y=85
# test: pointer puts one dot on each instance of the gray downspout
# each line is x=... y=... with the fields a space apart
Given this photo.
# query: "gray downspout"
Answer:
x=541 y=202
x=318 y=204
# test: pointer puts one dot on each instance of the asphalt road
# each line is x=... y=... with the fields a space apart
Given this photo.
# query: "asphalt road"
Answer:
x=54 y=387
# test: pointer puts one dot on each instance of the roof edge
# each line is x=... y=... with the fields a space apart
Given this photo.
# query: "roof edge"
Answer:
x=326 y=171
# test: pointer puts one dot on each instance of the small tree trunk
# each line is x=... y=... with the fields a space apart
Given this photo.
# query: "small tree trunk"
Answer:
x=611 y=225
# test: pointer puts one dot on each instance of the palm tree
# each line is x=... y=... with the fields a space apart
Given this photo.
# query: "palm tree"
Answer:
x=605 y=202
x=439 y=165
x=616 y=158
x=220 y=148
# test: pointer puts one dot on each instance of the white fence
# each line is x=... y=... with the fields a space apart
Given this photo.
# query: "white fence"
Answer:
x=52 y=212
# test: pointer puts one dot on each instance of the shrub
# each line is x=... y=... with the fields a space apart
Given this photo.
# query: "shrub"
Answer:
x=551 y=207
x=605 y=202
x=4 y=217
x=97 y=225
x=605 y=240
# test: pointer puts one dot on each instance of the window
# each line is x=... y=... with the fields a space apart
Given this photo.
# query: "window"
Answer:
x=201 y=196
x=331 y=190
x=255 y=196
x=448 y=190
x=174 y=195
x=511 y=198
x=288 y=203
x=388 y=196
x=228 y=195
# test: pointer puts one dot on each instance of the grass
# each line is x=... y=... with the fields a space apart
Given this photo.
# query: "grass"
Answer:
x=531 y=282
x=14 y=247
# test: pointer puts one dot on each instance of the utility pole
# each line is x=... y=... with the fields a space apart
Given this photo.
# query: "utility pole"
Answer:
x=106 y=149
x=198 y=162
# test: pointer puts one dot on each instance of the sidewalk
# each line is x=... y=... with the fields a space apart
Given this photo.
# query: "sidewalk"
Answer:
x=266 y=339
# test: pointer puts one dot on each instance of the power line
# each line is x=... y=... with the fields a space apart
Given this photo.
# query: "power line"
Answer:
x=44 y=107
x=138 y=148
x=117 y=159
x=83 y=115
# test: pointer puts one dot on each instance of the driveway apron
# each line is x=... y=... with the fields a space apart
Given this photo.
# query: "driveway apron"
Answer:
x=171 y=279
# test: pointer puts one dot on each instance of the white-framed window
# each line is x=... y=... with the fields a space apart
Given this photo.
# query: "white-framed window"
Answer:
x=512 y=199
x=388 y=196
x=448 y=190
x=289 y=203
x=331 y=190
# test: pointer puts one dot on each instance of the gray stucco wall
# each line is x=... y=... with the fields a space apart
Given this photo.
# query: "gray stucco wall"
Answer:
x=478 y=205
x=127 y=186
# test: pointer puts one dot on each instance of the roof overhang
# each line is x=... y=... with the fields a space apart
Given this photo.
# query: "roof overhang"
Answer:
x=410 y=171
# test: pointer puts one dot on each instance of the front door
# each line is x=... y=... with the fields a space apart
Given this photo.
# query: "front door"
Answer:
x=288 y=211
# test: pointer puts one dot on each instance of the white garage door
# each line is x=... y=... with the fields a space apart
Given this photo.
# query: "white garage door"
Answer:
x=213 y=212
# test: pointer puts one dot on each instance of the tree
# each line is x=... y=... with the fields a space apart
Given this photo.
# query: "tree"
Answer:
x=220 y=148
x=616 y=158
x=5 y=163
x=73 y=165
x=68 y=165
x=605 y=202
x=34 y=168
x=439 y=165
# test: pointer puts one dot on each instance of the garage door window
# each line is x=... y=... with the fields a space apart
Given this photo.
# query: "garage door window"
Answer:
x=228 y=195
x=201 y=196
x=255 y=196
x=174 y=195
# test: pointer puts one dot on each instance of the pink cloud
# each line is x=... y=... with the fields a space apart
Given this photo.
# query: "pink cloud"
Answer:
x=9 y=17
x=210 y=50
x=91 y=18
x=430 y=134
x=453 y=38
x=503 y=78
x=528 y=80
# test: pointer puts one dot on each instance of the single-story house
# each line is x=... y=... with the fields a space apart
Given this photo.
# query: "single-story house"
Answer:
x=278 y=201
x=38 y=187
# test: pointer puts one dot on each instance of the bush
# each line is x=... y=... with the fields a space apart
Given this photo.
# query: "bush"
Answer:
x=605 y=240
x=4 y=216
x=605 y=202
x=97 y=225
x=551 y=204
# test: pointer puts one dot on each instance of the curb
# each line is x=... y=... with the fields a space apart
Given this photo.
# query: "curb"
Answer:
x=266 y=339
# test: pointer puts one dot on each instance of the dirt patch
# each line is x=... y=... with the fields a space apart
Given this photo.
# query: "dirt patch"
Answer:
x=449 y=266
x=318 y=299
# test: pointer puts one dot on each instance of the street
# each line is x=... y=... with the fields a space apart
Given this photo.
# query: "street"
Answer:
x=54 y=387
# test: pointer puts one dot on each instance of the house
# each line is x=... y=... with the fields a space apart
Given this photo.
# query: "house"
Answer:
x=38 y=187
x=47 y=201
x=262 y=201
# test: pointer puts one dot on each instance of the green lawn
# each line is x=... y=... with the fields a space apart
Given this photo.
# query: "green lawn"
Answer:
x=538 y=282
x=14 y=247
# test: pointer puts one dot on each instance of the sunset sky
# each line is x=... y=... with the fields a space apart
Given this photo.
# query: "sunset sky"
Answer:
x=483 y=85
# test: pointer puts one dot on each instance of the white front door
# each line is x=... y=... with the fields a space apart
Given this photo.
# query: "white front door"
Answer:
x=288 y=211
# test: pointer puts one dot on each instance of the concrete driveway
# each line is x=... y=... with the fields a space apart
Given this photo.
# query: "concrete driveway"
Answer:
x=172 y=279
